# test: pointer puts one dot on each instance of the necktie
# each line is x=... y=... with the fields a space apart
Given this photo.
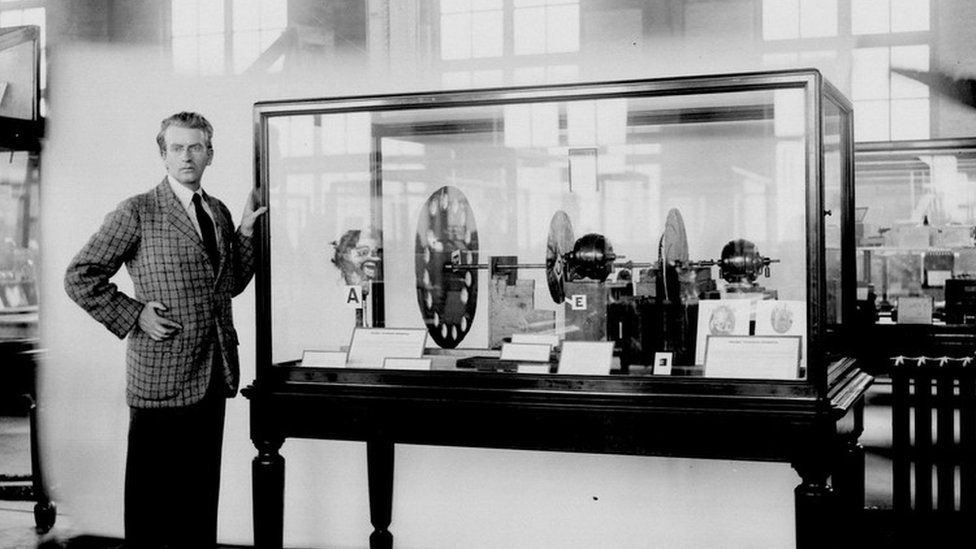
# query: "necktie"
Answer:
x=207 y=232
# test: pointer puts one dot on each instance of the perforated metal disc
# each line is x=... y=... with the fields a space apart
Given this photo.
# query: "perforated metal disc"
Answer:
x=560 y=242
x=447 y=298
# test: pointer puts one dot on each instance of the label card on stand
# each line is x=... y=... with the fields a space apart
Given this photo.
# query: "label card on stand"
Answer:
x=547 y=339
x=324 y=359
x=586 y=357
x=371 y=346
x=753 y=357
x=662 y=363
x=720 y=317
x=526 y=352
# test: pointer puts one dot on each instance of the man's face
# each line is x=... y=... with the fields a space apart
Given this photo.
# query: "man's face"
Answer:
x=186 y=155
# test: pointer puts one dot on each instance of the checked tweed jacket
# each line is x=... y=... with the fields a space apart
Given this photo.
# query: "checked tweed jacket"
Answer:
x=152 y=234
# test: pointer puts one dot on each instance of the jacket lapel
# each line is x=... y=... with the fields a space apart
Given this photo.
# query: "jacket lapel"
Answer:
x=178 y=217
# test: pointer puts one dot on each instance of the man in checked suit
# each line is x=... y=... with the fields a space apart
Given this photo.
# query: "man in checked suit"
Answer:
x=186 y=263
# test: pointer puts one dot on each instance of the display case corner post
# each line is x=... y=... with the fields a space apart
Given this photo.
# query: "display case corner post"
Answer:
x=262 y=248
x=268 y=493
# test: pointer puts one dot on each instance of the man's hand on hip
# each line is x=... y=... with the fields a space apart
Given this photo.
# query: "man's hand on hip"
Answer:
x=251 y=214
x=157 y=326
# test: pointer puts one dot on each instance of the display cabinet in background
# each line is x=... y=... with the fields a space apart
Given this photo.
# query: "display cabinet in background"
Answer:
x=21 y=133
x=662 y=267
x=916 y=249
x=21 y=130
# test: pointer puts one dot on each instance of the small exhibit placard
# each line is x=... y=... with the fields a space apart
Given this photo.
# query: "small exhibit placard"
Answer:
x=662 y=363
x=547 y=339
x=586 y=357
x=401 y=363
x=371 y=346
x=753 y=357
x=324 y=359
x=526 y=352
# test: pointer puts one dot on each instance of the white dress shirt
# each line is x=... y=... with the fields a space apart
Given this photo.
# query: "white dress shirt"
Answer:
x=185 y=197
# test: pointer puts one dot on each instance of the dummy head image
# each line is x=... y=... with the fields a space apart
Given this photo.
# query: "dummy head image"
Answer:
x=357 y=255
x=722 y=321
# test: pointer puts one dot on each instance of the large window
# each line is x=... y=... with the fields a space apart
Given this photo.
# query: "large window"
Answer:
x=471 y=29
x=790 y=19
x=223 y=36
x=890 y=106
x=880 y=36
x=507 y=38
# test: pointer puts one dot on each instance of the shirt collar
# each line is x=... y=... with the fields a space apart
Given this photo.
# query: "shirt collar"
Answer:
x=182 y=193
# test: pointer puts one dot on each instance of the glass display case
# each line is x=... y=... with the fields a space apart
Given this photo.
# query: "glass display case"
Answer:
x=681 y=221
x=657 y=267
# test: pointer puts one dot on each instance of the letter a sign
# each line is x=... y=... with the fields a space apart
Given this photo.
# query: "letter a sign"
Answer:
x=354 y=297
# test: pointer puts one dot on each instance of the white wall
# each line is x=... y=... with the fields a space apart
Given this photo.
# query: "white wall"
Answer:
x=106 y=105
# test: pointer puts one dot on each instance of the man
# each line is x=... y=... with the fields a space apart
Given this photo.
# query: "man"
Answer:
x=186 y=262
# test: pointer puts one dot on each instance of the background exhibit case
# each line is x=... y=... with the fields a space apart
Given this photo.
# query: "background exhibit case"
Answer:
x=705 y=222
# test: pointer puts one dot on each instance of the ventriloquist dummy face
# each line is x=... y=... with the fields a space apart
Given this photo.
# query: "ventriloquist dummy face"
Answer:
x=357 y=255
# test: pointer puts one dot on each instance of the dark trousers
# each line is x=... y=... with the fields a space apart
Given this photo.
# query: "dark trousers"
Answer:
x=172 y=475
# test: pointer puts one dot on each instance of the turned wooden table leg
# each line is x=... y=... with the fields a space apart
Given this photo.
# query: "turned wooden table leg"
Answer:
x=268 y=491
x=849 y=477
x=814 y=500
x=379 y=461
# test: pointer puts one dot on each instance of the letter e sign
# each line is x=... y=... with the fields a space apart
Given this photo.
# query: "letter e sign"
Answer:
x=354 y=297
x=577 y=302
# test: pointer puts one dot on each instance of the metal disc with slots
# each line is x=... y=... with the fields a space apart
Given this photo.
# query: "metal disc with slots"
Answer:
x=673 y=248
x=447 y=297
x=560 y=242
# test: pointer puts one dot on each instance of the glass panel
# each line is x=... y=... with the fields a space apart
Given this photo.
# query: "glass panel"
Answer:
x=833 y=165
x=640 y=220
x=915 y=235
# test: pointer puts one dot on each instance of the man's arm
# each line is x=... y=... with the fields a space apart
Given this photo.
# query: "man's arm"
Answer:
x=244 y=258
x=87 y=279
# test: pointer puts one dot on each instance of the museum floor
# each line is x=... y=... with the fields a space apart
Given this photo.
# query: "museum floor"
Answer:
x=877 y=529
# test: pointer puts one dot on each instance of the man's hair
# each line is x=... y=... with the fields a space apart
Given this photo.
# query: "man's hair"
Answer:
x=184 y=119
